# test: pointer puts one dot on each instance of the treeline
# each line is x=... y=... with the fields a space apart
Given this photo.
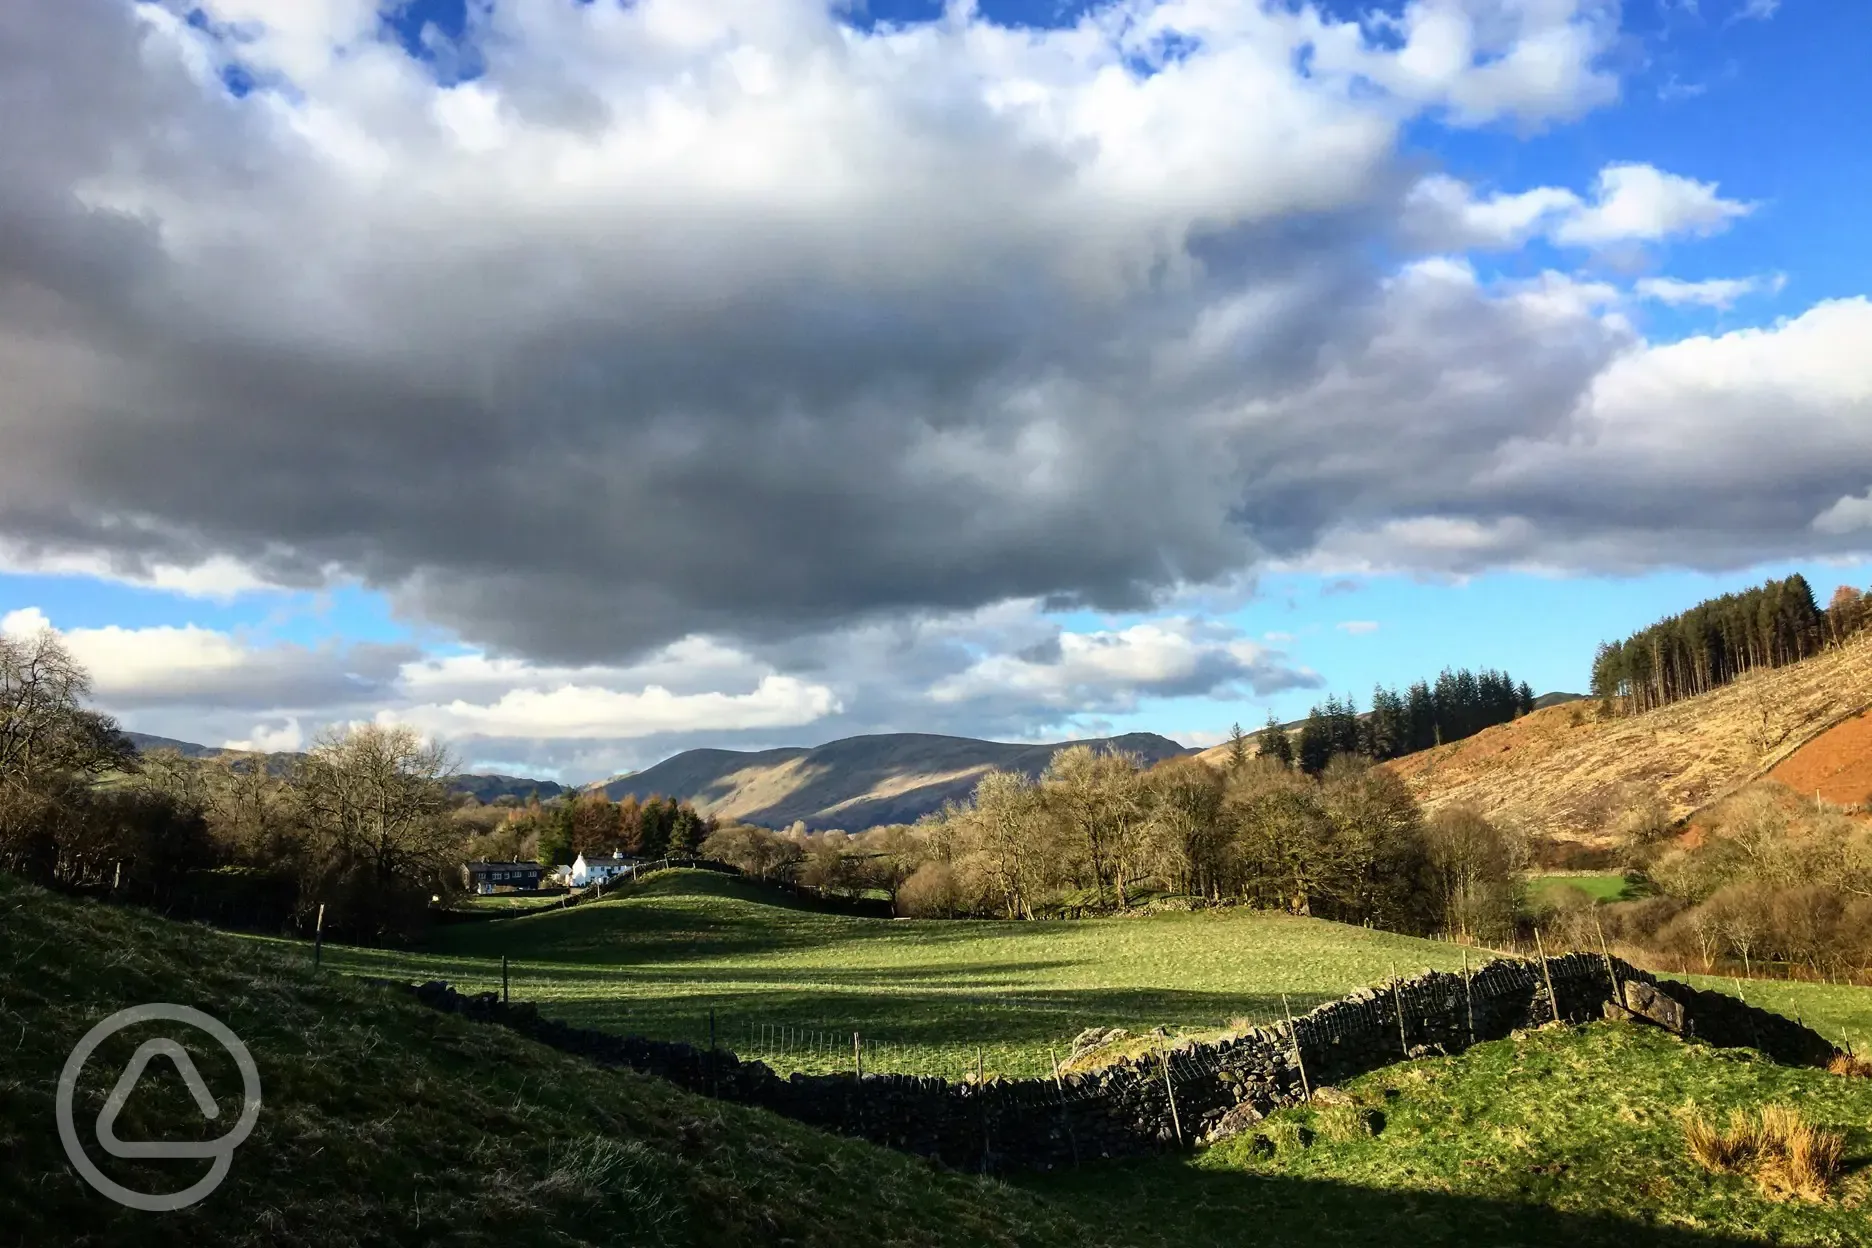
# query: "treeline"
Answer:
x=1775 y=881
x=1099 y=830
x=359 y=825
x=1459 y=704
x=556 y=832
x=1720 y=639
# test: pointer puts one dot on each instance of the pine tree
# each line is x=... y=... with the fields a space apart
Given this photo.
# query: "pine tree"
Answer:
x=1238 y=747
x=1275 y=743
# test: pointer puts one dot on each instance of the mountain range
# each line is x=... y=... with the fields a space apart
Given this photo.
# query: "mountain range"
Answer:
x=855 y=783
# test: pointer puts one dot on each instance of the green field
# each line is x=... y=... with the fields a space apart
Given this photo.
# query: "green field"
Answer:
x=389 y=1123
x=928 y=996
x=791 y=984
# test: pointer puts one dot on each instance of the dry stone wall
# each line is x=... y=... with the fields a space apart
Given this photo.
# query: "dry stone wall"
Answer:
x=1192 y=1094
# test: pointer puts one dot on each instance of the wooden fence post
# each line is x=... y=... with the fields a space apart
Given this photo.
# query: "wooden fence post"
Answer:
x=714 y=1085
x=858 y=1056
x=1397 y=1000
x=318 y=938
x=1293 y=1030
x=1606 y=952
x=1163 y=1059
x=1468 y=995
x=1552 y=1001
x=503 y=979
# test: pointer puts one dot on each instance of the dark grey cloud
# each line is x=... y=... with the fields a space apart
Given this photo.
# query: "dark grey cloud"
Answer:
x=631 y=342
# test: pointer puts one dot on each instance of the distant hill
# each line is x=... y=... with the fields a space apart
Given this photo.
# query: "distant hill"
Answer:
x=1557 y=699
x=486 y=788
x=855 y=783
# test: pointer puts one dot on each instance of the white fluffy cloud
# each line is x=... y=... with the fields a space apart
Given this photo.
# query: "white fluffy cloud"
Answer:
x=1112 y=670
x=1639 y=203
x=1631 y=203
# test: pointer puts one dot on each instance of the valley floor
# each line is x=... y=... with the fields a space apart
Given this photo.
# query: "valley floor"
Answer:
x=387 y=1123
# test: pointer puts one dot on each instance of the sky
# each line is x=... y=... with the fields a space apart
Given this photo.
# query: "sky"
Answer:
x=579 y=383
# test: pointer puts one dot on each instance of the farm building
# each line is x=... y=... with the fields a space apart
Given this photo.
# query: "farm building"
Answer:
x=595 y=870
x=486 y=877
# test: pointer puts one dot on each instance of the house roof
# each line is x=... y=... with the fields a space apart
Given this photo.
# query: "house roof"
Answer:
x=503 y=866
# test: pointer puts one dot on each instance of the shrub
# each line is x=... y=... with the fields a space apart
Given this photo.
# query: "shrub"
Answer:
x=931 y=892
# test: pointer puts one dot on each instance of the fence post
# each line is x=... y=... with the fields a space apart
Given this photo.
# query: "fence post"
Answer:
x=1468 y=995
x=1397 y=1000
x=714 y=1085
x=1606 y=952
x=1293 y=1030
x=503 y=979
x=318 y=938
x=1163 y=1059
x=1547 y=974
x=858 y=1056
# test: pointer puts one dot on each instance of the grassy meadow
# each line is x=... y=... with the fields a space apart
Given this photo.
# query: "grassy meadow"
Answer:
x=930 y=997
x=385 y=1122
x=790 y=984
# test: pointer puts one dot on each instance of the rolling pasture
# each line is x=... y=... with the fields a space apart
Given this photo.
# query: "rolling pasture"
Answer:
x=790 y=984
x=929 y=997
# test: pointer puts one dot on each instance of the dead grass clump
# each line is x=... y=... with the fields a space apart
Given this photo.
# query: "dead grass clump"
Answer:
x=1851 y=1066
x=1345 y=1123
x=1787 y=1155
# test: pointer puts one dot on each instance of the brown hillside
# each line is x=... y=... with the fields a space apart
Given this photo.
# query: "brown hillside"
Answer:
x=855 y=783
x=1836 y=765
x=1566 y=772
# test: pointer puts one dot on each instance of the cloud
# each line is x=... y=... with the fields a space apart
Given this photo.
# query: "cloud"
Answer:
x=1639 y=203
x=1670 y=454
x=573 y=712
x=284 y=738
x=1631 y=203
x=1357 y=628
x=1443 y=213
x=1716 y=293
x=1754 y=11
x=1848 y=514
x=704 y=347
x=1007 y=672
x=189 y=666
x=683 y=319
x=1113 y=670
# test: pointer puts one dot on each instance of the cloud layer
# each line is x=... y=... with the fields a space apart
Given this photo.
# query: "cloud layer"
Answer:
x=847 y=353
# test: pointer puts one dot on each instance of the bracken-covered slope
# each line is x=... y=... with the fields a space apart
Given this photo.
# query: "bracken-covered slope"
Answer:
x=855 y=783
x=1567 y=772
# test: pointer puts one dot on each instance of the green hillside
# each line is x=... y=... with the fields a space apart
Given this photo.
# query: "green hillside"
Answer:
x=1568 y=1136
x=387 y=1123
x=933 y=995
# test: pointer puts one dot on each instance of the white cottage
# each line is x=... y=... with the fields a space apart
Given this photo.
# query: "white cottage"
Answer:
x=596 y=870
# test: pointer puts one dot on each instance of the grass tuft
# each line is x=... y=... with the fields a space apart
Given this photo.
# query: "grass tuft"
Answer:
x=1788 y=1156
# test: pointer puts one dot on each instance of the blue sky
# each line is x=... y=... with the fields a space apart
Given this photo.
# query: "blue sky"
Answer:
x=584 y=383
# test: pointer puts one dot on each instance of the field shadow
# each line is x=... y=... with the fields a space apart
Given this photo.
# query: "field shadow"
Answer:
x=1173 y=1204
